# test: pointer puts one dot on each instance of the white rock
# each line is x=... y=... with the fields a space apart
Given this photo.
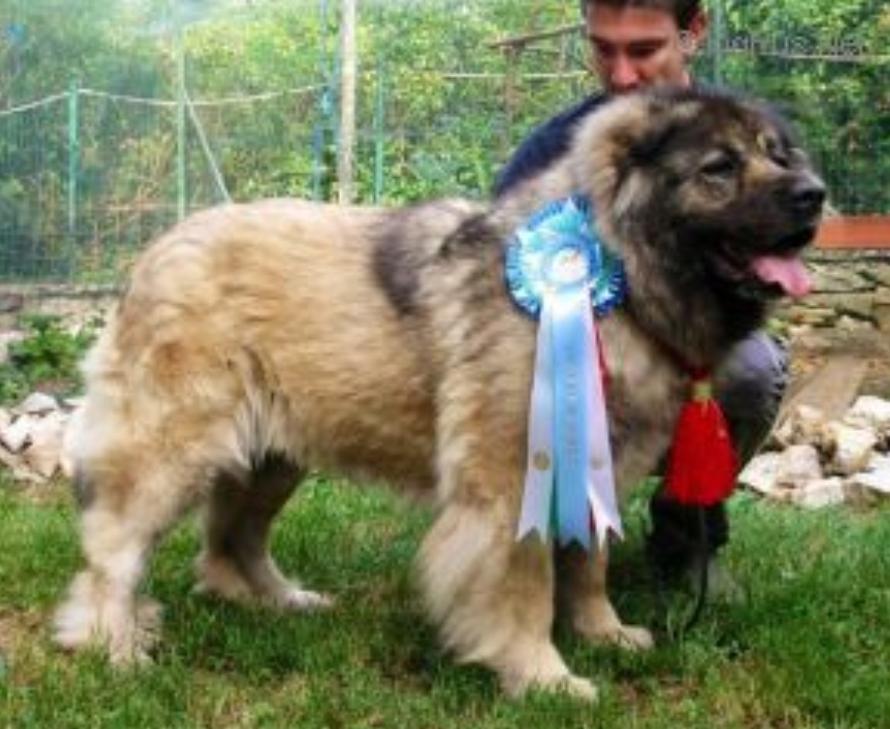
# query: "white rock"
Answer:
x=805 y=424
x=5 y=418
x=7 y=338
x=17 y=467
x=782 y=436
x=809 y=424
x=14 y=436
x=820 y=493
x=43 y=453
x=38 y=403
x=761 y=473
x=869 y=412
x=879 y=463
x=8 y=459
x=875 y=480
x=23 y=474
x=853 y=448
x=798 y=465
x=73 y=403
x=69 y=441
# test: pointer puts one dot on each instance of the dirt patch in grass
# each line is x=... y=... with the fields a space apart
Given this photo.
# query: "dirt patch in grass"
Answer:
x=18 y=626
x=53 y=492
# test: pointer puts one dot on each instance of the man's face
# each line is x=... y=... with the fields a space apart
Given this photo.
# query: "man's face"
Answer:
x=635 y=47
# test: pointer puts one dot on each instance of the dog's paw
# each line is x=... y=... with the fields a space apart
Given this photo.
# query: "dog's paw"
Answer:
x=597 y=621
x=537 y=666
x=577 y=687
x=220 y=578
x=300 y=600
x=629 y=637
x=127 y=635
x=130 y=645
x=567 y=684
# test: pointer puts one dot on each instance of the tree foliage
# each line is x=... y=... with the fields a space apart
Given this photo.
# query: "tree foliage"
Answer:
x=440 y=107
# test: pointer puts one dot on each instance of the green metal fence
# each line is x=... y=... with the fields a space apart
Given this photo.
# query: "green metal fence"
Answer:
x=240 y=110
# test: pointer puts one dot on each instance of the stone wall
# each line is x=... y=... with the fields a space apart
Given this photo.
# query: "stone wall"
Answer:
x=76 y=304
x=851 y=291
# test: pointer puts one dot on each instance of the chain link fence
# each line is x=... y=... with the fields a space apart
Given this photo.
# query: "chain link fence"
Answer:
x=244 y=105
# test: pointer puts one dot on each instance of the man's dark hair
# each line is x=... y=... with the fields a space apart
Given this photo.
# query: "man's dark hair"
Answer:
x=682 y=10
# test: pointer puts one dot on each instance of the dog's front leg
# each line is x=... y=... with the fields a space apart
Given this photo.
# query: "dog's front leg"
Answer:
x=493 y=598
x=584 y=598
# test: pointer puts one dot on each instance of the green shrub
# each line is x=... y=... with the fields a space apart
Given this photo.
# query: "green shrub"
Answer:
x=47 y=358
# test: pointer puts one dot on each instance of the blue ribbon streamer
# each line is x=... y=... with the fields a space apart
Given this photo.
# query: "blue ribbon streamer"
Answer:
x=571 y=349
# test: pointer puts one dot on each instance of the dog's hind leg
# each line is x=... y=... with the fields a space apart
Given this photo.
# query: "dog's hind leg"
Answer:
x=493 y=597
x=236 y=563
x=131 y=503
x=583 y=596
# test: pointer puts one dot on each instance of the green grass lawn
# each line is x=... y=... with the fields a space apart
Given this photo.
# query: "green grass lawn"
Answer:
x=809 y=648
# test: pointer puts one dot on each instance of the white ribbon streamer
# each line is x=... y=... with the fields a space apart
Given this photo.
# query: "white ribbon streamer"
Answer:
x=537 y=499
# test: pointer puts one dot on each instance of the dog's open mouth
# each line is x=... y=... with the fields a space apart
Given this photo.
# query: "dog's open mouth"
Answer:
x=783 y=267
x=777 y=271
x=785 y=271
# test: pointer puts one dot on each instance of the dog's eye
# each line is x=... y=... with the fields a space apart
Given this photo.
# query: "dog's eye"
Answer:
x=722 y=165
x=777 y=152
x=780 y=157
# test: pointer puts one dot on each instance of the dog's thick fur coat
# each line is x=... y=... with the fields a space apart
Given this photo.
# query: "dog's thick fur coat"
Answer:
x=257 y=341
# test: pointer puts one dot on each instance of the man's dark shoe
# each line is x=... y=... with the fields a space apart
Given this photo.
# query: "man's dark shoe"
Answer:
x=722 y=586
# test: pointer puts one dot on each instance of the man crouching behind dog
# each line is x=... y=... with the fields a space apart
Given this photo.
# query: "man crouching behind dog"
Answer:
x=257 y=341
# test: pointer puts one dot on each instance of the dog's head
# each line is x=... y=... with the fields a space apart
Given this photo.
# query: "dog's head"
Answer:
x=716 y=187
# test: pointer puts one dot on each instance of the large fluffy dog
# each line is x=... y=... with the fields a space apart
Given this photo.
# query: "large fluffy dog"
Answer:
x=256 y=341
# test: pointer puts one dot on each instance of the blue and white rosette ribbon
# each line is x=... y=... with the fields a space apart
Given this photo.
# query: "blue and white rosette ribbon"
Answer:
x=558 y=271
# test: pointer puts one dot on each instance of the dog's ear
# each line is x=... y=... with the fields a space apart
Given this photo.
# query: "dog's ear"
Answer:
x=666 y=114
x=619 y=143
x=627 y=132
x=643 y=151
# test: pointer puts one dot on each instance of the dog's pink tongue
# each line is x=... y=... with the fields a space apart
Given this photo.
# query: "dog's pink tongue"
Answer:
x=789 y=273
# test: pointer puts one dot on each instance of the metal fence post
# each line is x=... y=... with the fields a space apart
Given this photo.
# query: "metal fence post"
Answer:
x=718 y=42
x=319 y=132
x=73 y=156
x=181 y=195
x=379 y=134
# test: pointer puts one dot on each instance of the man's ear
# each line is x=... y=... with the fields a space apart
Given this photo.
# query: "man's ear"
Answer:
x=693 y=37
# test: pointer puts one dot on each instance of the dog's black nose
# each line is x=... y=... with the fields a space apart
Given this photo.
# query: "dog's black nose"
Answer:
x=808 y=195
